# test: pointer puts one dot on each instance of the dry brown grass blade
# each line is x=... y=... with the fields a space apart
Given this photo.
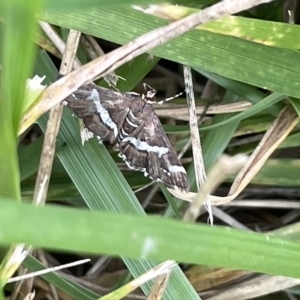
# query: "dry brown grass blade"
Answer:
x=279 y=130
x=30 y=296
x=158 y=287
x=222 y=168
x=48 y=150
x=58 y=42
x=258 y=286
x=161 y=269
x=94 y=50
x=193 y=122
x=205 y=277
x=180 y=112
x=219 y=171
x=47 y=45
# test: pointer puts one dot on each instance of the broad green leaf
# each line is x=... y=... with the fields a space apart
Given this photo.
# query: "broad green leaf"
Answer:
x=118 y=234
x=263 y=66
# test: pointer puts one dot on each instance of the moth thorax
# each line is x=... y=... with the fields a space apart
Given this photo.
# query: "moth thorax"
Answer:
x=149 y=93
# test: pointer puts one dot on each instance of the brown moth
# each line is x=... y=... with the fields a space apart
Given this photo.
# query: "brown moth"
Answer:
x=128 y=121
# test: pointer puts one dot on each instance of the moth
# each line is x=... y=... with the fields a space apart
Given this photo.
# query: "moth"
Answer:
x=128 y=121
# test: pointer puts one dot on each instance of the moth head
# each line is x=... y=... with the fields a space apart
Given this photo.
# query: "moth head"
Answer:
x=149 y=94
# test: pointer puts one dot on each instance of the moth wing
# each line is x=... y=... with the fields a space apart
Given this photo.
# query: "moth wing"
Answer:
x=102 y=110
x=148 y=149
x=123 y=119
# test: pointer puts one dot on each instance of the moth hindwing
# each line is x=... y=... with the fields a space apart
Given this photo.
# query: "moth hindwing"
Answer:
x=128 y=121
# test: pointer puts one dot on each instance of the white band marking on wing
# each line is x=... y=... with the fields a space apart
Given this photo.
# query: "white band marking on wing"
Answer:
x=123 y=132
x=143 y=146
x=176 y=169
x=85 y=135
x=130 y=123
x=133 y=93
x=103 y=112
x=130 y=166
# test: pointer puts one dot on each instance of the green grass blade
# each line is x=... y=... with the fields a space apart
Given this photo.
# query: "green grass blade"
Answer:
x=260 y=31
x=153 y=238
x=256 y=108
x=73 y=289
x=17 y=53
x=245 y=91
x=29 y=158
x=18 y=33
x=278 y=172
x=78 y=4
x=267 y=67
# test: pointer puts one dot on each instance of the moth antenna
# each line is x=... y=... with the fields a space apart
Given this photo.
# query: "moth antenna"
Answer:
x=148 y=87
x=170 y=98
